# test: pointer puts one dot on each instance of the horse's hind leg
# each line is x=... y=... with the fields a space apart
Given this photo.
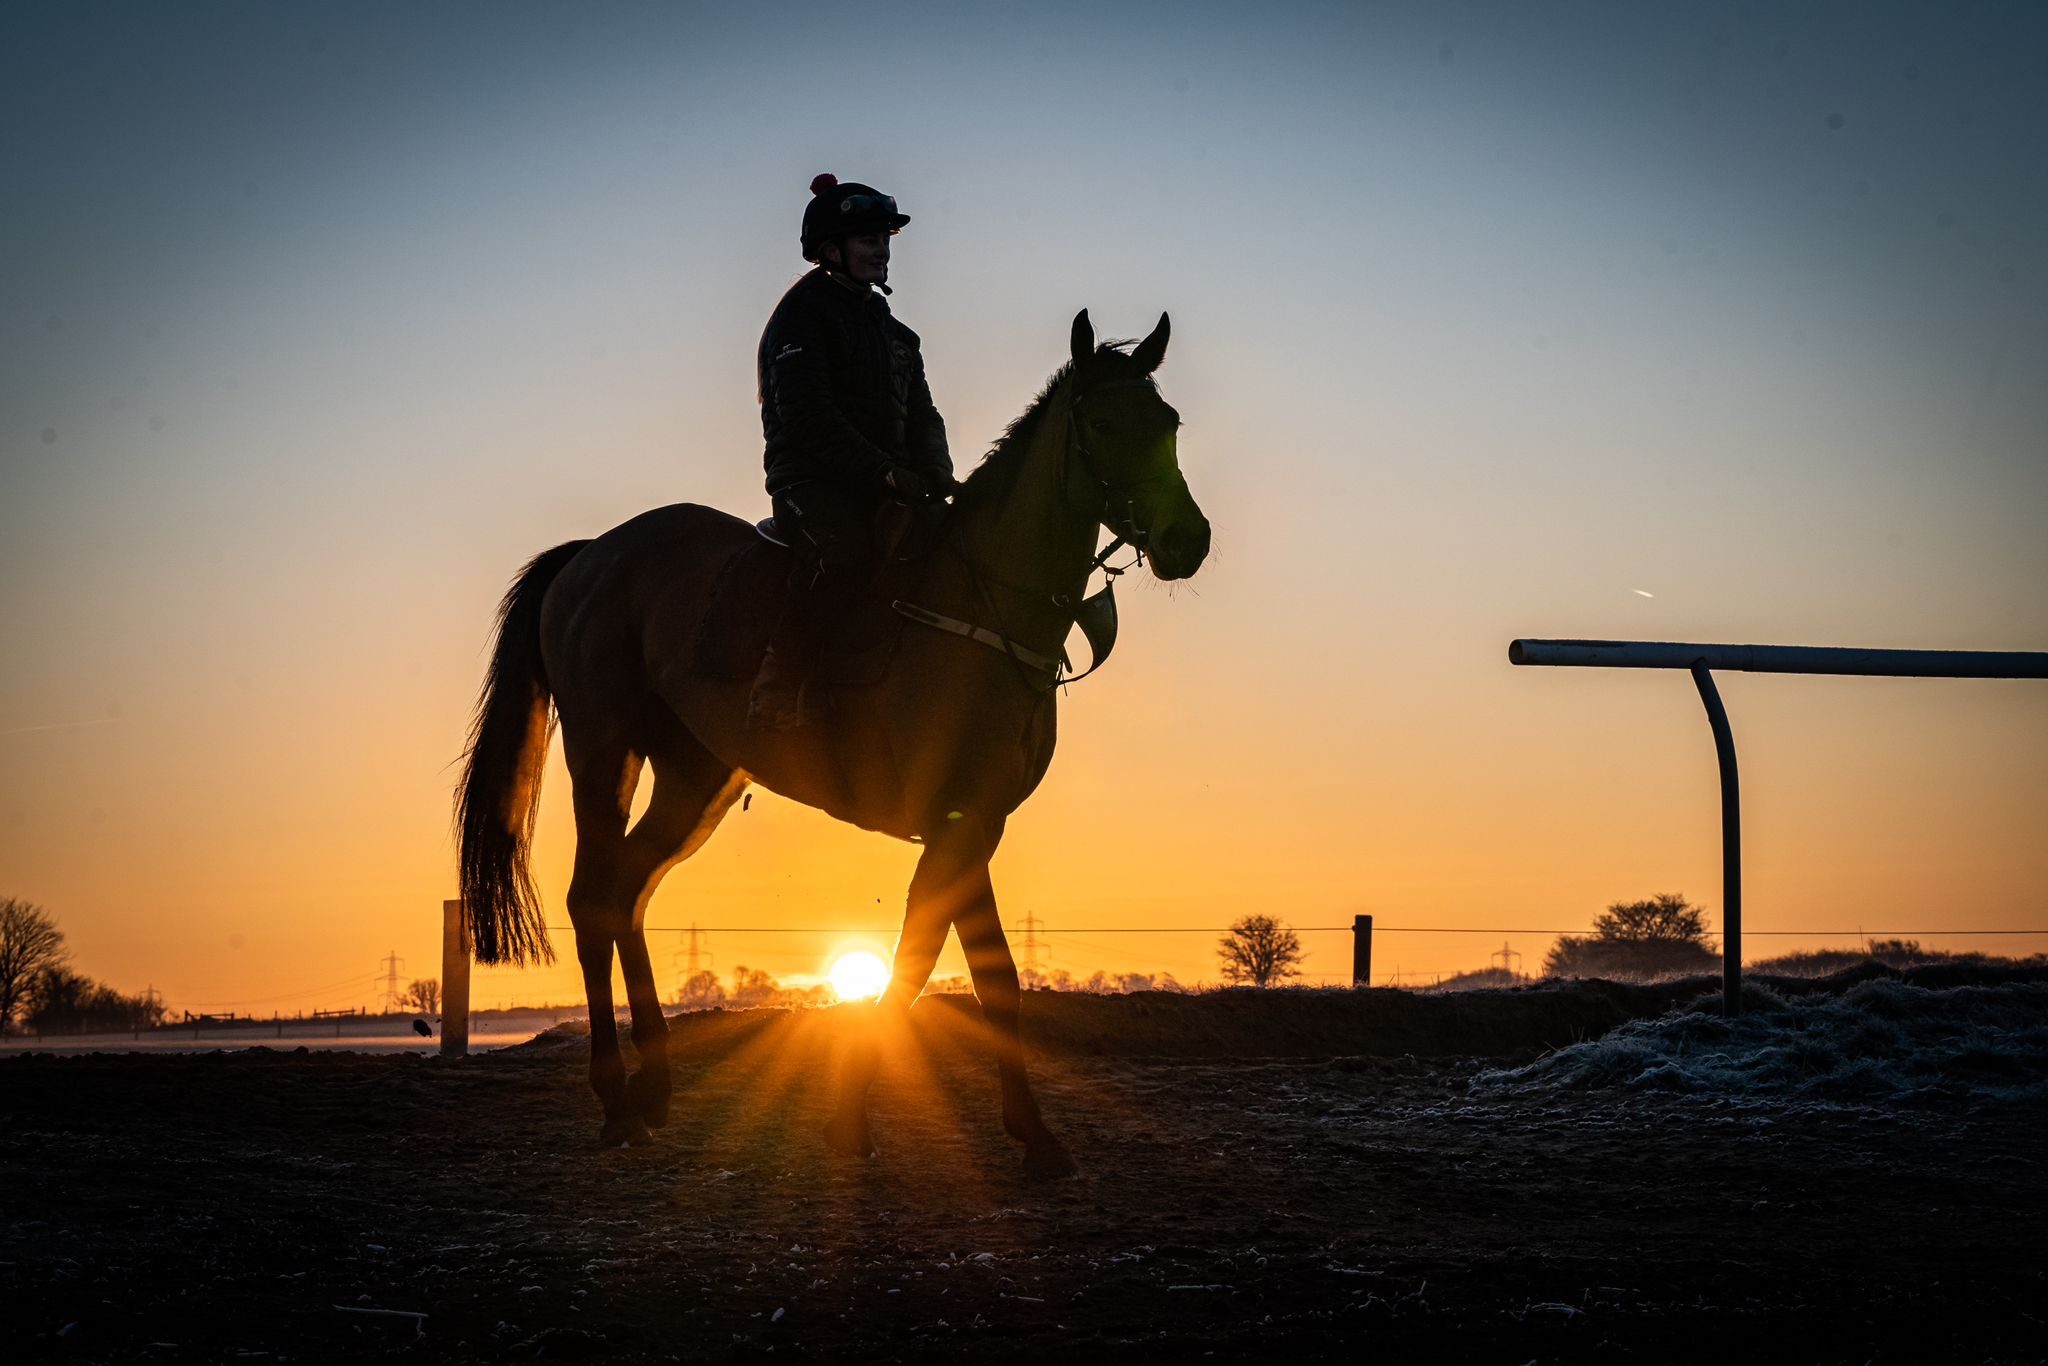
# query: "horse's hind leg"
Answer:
x=995 y=986
x=692 y=792
x=603 y=774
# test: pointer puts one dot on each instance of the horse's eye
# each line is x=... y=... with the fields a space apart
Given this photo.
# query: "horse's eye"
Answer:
x=1100 y=427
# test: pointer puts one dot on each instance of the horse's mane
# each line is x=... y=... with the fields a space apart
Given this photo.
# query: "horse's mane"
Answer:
x=999 y=466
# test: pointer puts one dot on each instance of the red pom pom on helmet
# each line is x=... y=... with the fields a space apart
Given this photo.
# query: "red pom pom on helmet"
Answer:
x=824 y=182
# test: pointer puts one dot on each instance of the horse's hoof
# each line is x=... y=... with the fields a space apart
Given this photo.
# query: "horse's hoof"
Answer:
x=1048 y=1161
x=626 y=1130
x=848 y=1136
x=649 y=1098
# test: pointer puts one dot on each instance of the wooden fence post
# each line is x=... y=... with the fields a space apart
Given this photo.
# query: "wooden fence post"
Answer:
x=454 y=981
x=1361 y=950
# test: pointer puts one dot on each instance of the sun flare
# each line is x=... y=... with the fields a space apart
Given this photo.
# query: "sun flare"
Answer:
x=859 y=976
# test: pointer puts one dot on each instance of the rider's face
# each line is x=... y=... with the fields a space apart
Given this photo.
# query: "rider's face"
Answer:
x=864 y=256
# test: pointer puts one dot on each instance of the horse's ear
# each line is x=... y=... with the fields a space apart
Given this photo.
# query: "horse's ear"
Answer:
x=1152 y=350
x=1083 y=339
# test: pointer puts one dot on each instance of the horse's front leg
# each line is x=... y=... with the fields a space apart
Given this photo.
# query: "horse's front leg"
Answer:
x=948 y=871
x=996 y=987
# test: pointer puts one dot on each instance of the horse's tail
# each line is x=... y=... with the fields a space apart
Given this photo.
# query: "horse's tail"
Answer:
x=500 y=791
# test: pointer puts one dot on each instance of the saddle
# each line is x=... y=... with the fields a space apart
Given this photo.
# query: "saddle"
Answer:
x=752 y=585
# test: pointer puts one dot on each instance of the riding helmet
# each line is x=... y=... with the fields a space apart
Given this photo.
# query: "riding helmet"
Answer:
x=840 y=209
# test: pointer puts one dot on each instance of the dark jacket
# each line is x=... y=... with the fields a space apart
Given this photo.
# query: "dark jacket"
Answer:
x=843 y=393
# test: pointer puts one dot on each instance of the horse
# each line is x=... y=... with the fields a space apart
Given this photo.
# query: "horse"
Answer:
x=950 y=737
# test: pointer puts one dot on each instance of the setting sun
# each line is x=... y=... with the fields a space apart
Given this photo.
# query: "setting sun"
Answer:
x=859 y=976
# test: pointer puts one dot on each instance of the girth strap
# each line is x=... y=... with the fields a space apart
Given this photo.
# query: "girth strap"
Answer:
x=1022 y=654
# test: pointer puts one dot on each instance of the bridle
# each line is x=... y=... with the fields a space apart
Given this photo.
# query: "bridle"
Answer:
x=1124 y=528
x=1114 y=508
x=1094 y=615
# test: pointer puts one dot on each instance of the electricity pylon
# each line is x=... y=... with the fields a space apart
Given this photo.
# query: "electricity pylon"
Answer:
x=1031 y=925
x=392 y=1000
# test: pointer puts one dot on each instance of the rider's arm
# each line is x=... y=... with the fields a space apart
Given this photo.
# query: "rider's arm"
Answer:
x=798 y=384
x=924 y=431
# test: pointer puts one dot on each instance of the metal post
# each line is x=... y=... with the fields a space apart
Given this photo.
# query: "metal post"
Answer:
x=455 y=955
x=1731 y=843
x=1361 y=950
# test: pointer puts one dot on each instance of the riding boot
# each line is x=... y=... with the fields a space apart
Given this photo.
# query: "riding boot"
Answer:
x=786 y=696
x=830 y=529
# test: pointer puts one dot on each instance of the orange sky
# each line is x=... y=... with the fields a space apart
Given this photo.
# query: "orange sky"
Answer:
x=1475 y=338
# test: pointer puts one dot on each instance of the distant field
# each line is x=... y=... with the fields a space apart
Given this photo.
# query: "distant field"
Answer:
x=210 y=1041
x=371 y=1034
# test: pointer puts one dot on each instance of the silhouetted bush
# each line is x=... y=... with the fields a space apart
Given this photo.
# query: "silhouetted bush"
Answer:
x=1480 y=979
x=64 y=1002
x=1893 y=953
x=1664 y=936
x=701 y=992
x=752 y=988
x=1099 y=983
x=1574 y=957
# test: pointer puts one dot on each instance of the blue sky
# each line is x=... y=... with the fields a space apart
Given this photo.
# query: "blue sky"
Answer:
x=314 y=323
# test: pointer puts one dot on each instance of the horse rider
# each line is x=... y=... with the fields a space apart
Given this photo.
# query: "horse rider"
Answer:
x=849 y=424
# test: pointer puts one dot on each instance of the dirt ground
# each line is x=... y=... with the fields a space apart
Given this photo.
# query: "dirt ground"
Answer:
x=258 y=1206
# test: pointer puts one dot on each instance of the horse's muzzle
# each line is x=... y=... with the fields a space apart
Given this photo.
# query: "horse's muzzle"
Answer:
x=1179 y=548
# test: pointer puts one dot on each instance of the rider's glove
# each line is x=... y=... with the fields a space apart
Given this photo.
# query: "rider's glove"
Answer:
x=906 y=483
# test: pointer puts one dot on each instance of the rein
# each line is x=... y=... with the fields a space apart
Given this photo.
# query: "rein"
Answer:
x=1095 y=614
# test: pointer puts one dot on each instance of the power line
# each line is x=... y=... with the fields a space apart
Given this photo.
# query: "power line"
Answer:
x=1048 y=931
x=327 y=990
x=1582 y=930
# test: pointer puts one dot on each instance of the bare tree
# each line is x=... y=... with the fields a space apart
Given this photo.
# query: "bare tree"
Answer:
x=753 y=987
x=701 y=992
x=30 y=942
x=1259 y=950
x=425 y=996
